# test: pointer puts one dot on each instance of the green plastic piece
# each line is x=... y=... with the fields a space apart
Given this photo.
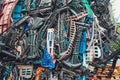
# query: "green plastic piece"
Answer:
x=118 y=30
x=88 y=8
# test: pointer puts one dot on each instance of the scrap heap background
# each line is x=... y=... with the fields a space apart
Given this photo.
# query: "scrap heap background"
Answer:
x=57 y=40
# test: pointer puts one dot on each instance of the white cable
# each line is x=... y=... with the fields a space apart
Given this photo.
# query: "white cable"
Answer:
x=93 y=25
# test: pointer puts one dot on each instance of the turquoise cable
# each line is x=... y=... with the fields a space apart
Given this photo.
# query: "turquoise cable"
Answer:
x=88 y=8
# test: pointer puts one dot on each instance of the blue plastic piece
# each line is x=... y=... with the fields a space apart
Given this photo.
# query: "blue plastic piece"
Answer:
x=66 y=39
x=25 y=79
x=80 y=78
x=83 y=77
x=105 y=48
x=82 y=48
x=67 y=42
x=26 y=27
x=17 y=10
x=47 y=60
x=66 y=28
x=88 y=20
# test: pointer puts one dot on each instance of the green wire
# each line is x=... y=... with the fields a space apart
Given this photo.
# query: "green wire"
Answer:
x=88 y=8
